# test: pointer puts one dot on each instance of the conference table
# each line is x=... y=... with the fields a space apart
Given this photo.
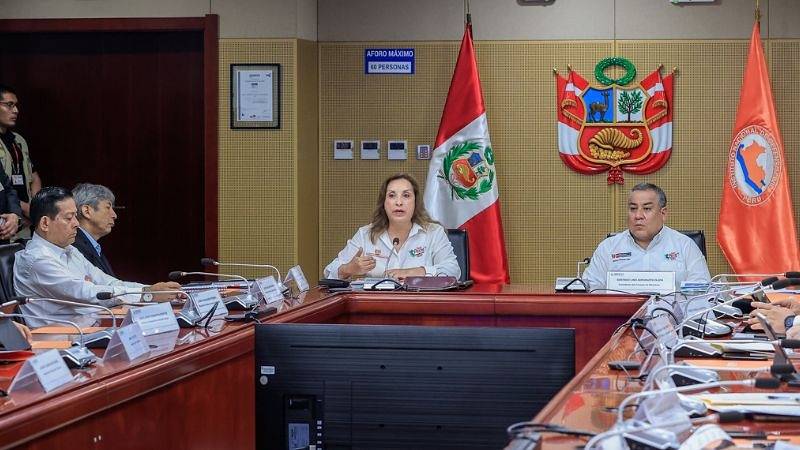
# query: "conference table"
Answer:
x=200 y=394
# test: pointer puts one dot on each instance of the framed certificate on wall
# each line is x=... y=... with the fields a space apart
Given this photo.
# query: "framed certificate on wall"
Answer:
x=255 y=95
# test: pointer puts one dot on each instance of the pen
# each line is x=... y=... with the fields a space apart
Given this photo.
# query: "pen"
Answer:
x=783 y=397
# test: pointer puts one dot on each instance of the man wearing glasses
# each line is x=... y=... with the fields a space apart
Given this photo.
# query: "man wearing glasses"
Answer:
x=15 y=158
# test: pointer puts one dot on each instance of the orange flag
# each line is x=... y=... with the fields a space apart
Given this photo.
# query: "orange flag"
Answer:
x=756 y=229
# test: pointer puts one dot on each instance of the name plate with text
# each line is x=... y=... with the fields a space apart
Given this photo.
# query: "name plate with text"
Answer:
x=269 y=289
x=296 y=274
x=641 y=282
x=153 y=319
x=128 y=342
x=47 y=368
x=205 y=300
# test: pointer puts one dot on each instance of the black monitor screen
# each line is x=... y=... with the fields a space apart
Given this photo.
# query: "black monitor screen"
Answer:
x=332 y=386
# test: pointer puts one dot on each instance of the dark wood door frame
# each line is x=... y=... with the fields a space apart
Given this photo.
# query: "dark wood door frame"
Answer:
x=209 y=26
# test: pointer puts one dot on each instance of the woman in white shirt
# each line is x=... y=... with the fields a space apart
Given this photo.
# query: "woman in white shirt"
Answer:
x=401 y=241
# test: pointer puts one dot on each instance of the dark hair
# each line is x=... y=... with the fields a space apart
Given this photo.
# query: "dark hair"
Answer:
x=380 y=221
x=44 y=203
x=662 y=197
x=6 y=89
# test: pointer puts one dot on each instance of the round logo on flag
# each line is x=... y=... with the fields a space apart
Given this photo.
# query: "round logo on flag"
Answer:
x=755 y=165
x=469 y=169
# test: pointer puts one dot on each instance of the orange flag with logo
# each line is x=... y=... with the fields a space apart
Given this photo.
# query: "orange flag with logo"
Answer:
x=756 y=229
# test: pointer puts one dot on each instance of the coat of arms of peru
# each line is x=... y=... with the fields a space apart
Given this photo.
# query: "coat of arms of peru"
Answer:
x=614 y=126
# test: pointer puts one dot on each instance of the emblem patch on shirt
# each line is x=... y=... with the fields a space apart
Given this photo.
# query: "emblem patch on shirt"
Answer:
x=672 y=256
x=620 y=256
x=417 y=252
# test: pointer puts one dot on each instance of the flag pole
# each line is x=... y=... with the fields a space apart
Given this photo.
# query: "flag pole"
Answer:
x=758 y=13
x=467 y=15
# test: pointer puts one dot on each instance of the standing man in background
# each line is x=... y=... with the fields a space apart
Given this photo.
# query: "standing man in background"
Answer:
x=96 y=217
x=15 y=158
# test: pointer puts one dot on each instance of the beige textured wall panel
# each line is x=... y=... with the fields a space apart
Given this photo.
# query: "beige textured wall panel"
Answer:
x=552 y=216
x=307 y=168
x=544 y=205
x=256 y=187
x=39 y=9
x=784 y=19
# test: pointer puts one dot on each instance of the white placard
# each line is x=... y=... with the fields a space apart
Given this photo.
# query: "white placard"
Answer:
x=153 y=319
x=705 y=435
x=663 y=329
x=296 y=274
x=255 y=95
x=48 y=367
x=664 y=408
x=162 y=343
x=639 y=282
x=270 y=289
x=129 y=342
x=205 y=300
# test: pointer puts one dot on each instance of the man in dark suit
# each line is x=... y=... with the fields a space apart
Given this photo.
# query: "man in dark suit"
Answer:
x=96 y=217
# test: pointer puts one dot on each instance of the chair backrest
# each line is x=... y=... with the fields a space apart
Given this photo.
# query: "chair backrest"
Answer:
x=461 y=248
x=698 y=236
x=7 y=253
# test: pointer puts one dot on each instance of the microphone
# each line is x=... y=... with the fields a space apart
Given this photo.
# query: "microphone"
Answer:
x=110 y=295
x=653 y=376
x=177 y=275
x=395 y=243
x=248 y=301
x=781 y=365
x=684 y=323
x=213 y=262
x=786 y=282
x=737 y=275
x=77 y=356
x=21 y=300
x=758 y=383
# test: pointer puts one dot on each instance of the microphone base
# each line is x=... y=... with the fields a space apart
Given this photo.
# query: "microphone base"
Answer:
x=186 y=320
x=652 y=439
x=77 y=357
x=697 y=350
x=99 y=339
x=689 y=376
x=710 y=329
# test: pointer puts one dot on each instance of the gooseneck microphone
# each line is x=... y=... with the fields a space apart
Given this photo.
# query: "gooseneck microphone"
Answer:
x=213 y=262
x=177 y=275
x=395 y=243
x=110 y=295
x=77 y=356
x=21 y=300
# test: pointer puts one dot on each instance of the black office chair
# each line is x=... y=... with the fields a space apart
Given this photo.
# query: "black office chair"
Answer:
x=7 y=254
x=461 y=248
x=698 y=236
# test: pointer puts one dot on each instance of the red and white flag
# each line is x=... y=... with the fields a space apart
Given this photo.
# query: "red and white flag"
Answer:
x=756 y=229
x=461 y=190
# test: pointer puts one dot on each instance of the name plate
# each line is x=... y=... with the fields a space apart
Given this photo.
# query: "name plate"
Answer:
x=153 y=319
x=664 y=330
x=296 y=274
x=48 y=368
x=269 y=289
x=128 y=342
x=205 y=300
x=641 y=282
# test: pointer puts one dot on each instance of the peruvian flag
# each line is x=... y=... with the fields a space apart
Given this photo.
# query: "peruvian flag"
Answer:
x=756 y=229
x=461 y=190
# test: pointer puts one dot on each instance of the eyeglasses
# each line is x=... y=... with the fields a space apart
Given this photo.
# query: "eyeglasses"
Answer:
x=10 y=105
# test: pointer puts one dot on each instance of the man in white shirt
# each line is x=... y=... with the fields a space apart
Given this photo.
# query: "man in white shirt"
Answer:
x=648 y=244
x=50 y=267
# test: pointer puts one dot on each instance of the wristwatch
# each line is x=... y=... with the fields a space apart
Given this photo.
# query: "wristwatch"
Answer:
x=147 y=297
x=788 y=322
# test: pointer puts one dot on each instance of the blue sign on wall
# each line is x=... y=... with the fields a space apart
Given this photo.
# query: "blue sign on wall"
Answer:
x=389 y=60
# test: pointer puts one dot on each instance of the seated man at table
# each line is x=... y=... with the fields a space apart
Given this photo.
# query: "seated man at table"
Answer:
x=50 y=267
x=783 y=315
x=96 y=217
x=647 y=244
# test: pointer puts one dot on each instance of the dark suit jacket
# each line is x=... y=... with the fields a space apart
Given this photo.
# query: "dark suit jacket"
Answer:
x=9 y=201
x=84 y=246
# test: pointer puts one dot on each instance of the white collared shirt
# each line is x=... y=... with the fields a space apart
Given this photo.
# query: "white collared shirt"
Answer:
x=45 y=270
x=669 y=251
x=429 y=248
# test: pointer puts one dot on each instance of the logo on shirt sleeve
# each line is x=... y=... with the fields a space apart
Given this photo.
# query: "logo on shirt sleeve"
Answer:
x=672 y=256
x=620 y=256
x=417 y=252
